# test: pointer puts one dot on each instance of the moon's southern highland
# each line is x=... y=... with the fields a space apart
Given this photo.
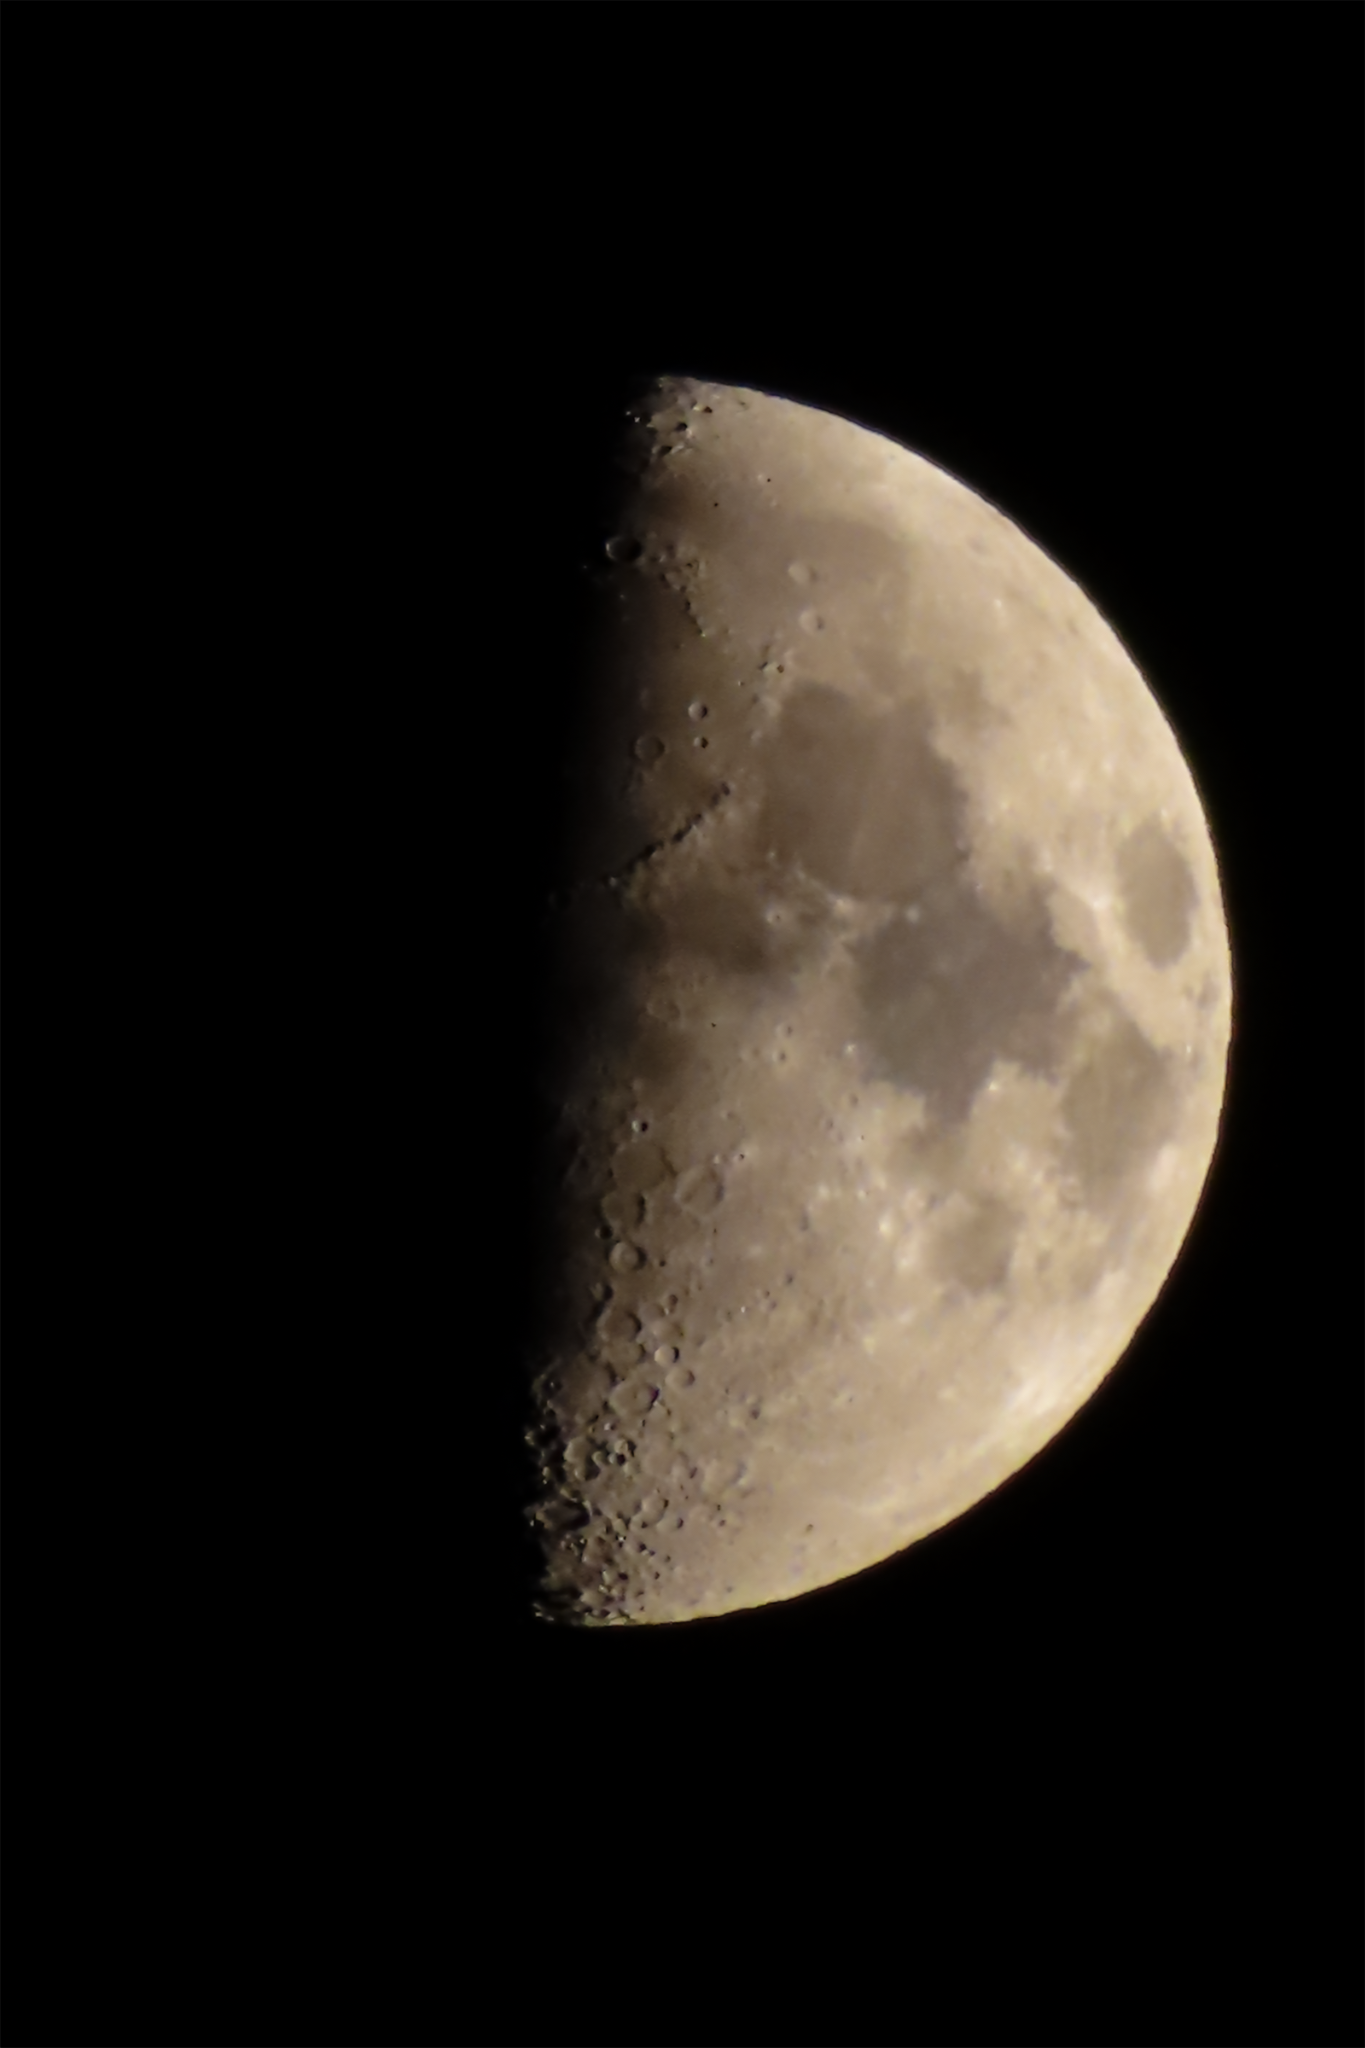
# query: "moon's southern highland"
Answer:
x=896 y=999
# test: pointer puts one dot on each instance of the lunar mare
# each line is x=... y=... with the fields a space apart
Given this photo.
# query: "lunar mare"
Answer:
x=895 y=995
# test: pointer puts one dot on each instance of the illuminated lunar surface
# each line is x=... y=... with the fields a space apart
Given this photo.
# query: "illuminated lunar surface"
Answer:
x=896 y=995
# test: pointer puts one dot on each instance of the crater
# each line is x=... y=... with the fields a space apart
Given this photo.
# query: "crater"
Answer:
x=638 y=1167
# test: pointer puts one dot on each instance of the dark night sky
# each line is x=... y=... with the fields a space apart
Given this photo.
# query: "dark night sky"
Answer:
x=1167 y=1561
x=1151 y=1553
x=334 y=343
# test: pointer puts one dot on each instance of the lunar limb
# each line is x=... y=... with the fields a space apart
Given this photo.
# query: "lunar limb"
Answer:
x=896 y=999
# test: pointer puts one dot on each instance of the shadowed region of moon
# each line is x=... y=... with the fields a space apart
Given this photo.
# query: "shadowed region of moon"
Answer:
x=893 y=997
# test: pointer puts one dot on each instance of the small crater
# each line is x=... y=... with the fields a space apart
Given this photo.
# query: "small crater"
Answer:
x=622 y=548
x=621 y=1357
x=617 y=1325
x=634 y=1400
x=639 y=1166
x=625 y=1257
x=624 y=1210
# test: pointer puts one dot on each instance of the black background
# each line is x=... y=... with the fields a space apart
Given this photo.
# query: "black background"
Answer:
x=1161 y=1590
x=326 y=342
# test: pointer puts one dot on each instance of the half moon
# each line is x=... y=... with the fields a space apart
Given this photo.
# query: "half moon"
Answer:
x=896 y=999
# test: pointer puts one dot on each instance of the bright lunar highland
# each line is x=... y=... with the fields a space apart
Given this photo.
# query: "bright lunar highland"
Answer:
x=896 y=992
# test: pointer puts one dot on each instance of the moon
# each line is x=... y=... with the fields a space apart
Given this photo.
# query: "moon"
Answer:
x=894 y=991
